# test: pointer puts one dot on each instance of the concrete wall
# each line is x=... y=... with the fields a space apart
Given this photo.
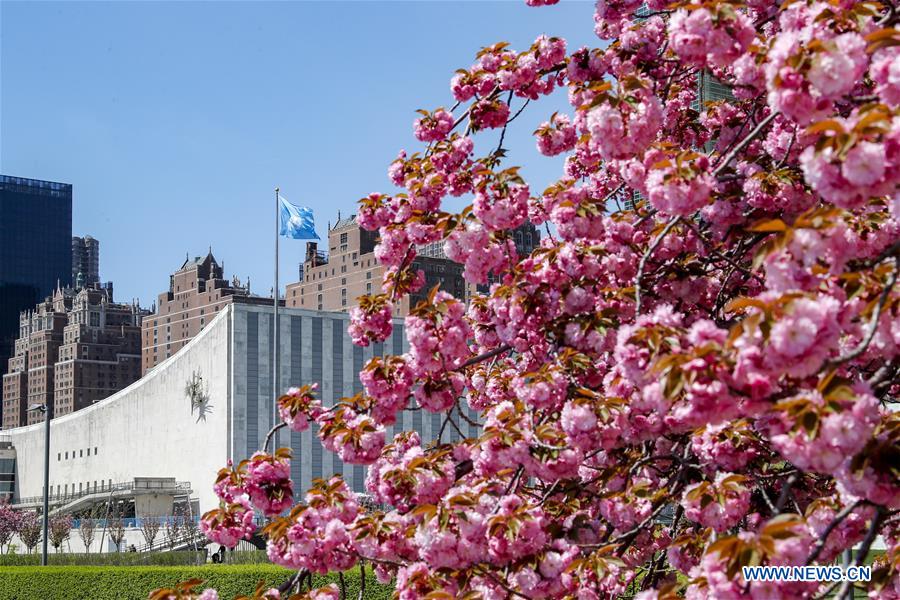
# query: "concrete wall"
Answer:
x=145 y=430
x=148 y=430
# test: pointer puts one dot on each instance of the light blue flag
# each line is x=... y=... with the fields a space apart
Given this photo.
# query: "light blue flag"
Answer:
x=297 y=221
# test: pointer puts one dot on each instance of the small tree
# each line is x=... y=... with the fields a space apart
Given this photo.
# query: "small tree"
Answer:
x=188 y=524
x=115 y=525
x=9 y=523
x=29 y=529
x=60 y=528
x=87 y=529
x=150 y=528
x=174 y=529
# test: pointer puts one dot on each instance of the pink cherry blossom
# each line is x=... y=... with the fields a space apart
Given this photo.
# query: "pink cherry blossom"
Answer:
x=267 y=482
x=433 y=127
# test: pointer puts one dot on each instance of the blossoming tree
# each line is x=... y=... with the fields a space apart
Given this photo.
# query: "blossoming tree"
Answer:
x=691 y=374
x=9 y=524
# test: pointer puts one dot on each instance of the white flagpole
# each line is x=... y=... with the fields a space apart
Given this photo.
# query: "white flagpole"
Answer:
x=275 y=326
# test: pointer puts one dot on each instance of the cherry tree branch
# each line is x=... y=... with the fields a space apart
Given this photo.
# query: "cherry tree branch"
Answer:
x=744 y=143
x=291 y=581
x=876 y=316
x=272 y=433
x=642 y=265
x=484 y=356
x=823 y=538
x=785 y=493
x=846 y=590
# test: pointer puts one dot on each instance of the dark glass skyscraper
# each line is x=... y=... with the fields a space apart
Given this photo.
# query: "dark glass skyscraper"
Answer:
x=35 y=248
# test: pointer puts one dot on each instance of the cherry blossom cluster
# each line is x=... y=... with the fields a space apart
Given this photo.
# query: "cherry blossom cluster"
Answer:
x=314 y=536
x=351 y=434
x=694 y=370
x=299 y=406
x=371 y=321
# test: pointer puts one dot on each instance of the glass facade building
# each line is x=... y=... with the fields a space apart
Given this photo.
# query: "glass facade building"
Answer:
x=35 y=249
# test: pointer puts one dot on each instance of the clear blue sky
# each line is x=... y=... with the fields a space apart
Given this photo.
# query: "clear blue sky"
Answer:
x=174 y=121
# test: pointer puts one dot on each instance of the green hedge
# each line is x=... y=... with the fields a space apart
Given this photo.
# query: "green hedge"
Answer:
x=135 y=583
x=114 y=559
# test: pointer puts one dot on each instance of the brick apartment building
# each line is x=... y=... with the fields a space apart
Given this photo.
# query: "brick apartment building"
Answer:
x=350 y=269
x=74 y=348
x=197 y=292
x=85 y=260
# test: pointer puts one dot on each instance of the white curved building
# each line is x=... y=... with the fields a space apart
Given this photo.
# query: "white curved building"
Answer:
x=152 y=437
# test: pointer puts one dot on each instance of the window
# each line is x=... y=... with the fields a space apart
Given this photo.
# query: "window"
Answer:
x=343 y=281
x=343 y=238
x=58 y=456
x=67 y=456
x=81 y=454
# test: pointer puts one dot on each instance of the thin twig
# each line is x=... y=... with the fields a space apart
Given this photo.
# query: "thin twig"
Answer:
x=838 y=519
x=625 y=540
x=785 y=493
x=464 y=417
x=270 y=434
x=846 y=590
x=291 y=581
x=744 y=143
x=504 y=586
x=484 y=356
x=827 y=592
x=873 y=324
x=643 y=263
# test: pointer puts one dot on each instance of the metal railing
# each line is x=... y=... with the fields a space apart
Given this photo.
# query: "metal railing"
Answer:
x=130 y=522
x=67 y=497
x=162 y=542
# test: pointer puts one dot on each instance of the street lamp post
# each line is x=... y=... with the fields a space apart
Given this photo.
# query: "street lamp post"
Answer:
x=45 y=408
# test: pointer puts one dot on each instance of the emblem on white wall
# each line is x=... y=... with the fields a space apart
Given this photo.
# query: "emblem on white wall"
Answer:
x=197 y=393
